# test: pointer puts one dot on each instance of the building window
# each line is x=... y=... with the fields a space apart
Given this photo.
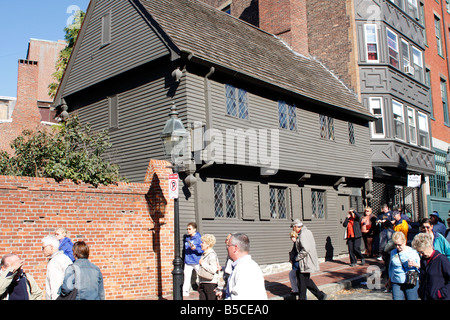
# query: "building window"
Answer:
x=424 y=134
x=351 y=133
x=445 y=101
x=278 y=202
x=318 y=204
x=437 y=29
x=371 y=42
x=438 y=182
x=225 y=201
x=412 y=9
x=237 y=102
x=412 y=126
x=392 y=48
x=287 y=116
x=326 y=127
x=106 y=29
x=417 y=64
x=399 y=122
x=376 y=107
x=405 y=58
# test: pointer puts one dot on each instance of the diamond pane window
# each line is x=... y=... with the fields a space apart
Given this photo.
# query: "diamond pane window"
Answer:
x=326 y=127
x=351 y=133
x=287 y=116
x=237 y=102
x=230 y=93
x=318 y=204
x=277 y=202
x=225 y=204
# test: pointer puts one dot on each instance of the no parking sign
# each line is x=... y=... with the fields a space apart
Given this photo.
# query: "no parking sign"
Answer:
x=173 y=186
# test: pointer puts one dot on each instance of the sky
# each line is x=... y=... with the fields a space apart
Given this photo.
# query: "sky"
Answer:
x=22 y=20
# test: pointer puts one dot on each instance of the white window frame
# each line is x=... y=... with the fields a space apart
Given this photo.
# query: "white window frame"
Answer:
x=381 y=115
x=389 y=31
x=418 y=67
x=412 y=128
x=400 y=119
x=423 y=128
x=406 y=58
x=366 y=33
x=412 y=8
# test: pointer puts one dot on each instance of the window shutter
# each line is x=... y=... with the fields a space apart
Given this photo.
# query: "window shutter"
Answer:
x=204 y=196
x=264 y=202
x=307 y=204
x=248 y=201
x=296 y=201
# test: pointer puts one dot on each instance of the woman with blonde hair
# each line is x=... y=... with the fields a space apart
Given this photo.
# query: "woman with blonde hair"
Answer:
x=209 y=267
x=403 y=259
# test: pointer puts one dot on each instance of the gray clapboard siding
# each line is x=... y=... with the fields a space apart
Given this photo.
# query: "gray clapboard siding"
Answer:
x=302 y=150
x=132 y=44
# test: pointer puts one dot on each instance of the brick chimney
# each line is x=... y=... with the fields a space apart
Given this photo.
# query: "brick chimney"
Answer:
x=26 y=111
x=286 y=19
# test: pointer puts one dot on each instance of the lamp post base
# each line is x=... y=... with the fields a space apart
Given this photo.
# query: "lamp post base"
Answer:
x=178 y=277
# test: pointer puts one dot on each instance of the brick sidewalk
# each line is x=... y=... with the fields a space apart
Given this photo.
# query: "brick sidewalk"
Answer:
x=333 y=276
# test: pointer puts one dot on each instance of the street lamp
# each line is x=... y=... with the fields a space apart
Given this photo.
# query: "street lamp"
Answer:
x=173 y=137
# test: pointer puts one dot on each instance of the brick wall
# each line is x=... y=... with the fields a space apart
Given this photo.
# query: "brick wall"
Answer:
x=286 y=19
x=331 y=33
x=128 y=227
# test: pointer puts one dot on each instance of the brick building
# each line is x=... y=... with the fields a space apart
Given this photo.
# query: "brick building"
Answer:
x=32 y=108
x=377 y=48
x=437 y=19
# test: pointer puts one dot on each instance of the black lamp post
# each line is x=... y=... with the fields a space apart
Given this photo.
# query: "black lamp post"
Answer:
x=174 y=139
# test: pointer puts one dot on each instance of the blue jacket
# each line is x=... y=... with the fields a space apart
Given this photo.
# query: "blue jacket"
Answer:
x=88 y=280
x=66 y=246
x=397 y=270
x=434 y=281
x=192 y=256
x=441 y=244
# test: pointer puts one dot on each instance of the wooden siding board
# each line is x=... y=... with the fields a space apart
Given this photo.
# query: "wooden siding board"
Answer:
x=133 y=43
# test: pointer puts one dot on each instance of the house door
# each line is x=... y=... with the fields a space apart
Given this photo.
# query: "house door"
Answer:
x=343 y=204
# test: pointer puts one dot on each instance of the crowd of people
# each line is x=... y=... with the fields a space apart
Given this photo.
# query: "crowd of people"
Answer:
x=70 y=275
x=420 y=271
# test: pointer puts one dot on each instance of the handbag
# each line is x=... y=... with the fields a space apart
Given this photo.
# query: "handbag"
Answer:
x=205 y=274
x=411 y=275
x=73 y=294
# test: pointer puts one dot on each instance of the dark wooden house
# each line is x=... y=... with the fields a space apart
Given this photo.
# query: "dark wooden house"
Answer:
x=290 y=140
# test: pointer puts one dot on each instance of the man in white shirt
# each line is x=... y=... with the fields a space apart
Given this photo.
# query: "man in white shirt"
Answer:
x=56 y=266
x=246 y=281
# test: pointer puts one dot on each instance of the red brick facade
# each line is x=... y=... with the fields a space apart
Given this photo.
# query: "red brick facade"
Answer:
x=128 y=227
x=437 y=64
x=26 y=113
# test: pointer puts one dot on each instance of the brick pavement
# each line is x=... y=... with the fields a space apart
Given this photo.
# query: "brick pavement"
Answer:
x=332 y=277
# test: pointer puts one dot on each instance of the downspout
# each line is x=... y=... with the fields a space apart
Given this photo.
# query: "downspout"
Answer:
x=208 y=114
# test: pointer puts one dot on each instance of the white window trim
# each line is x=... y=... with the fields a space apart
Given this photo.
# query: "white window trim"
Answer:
x=427 y=129
x=421 y=61
x=403 y=41
x=394 y=102
x=396 y=44
x=372 y=125
x=413 y=124
x=367 y=43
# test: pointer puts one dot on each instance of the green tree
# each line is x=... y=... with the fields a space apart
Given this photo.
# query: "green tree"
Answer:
x=68 y=151
x=64 y=56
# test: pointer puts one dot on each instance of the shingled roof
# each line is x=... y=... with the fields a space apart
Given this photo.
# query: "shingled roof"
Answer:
x=225 y=41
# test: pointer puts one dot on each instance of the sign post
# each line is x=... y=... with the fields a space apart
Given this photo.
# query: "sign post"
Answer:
x=173 y=186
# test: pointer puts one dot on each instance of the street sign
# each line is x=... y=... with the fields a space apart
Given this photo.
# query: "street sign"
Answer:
x=173 y=186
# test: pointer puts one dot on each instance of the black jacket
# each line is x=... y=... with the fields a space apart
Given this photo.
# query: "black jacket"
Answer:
x=356 y=225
